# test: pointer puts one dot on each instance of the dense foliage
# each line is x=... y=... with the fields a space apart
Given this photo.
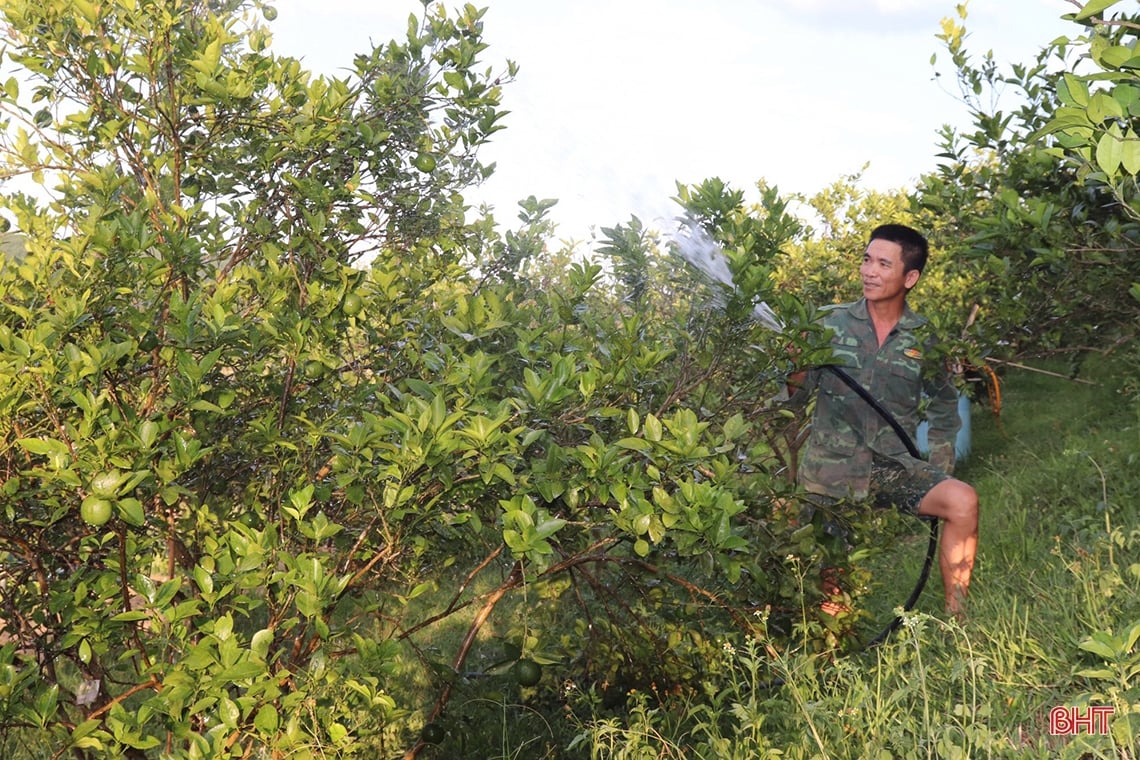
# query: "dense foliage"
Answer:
x=1039 y=200
x=232 y=457
x=282 y=425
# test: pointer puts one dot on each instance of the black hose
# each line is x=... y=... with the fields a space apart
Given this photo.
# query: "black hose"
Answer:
x=912 y=449
x=932 y=546
x=864 y=394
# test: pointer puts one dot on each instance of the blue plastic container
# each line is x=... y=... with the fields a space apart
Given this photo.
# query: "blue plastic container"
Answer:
x=961 y=443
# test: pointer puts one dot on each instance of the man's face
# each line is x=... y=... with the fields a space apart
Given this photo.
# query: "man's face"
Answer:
x=882 y=272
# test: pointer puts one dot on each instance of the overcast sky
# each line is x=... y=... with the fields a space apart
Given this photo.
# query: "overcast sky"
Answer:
x=616 y=100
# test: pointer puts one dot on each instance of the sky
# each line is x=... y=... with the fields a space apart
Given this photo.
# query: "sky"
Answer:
x=618 y=100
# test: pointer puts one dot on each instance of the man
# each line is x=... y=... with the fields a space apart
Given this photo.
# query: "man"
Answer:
x=852 y=451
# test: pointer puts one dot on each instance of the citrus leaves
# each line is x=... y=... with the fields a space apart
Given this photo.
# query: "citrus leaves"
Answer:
x=1116 y=150
x=527 y=529
x=1096 y=111
x=1094 y=8
x=185 y=343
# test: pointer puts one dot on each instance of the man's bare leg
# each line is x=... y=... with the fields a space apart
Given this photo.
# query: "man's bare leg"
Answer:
x=956 y=504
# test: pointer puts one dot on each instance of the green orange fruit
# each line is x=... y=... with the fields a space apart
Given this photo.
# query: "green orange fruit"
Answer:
x=352 y=304
x=314 y=369
x=95 y=511
x=527 y=672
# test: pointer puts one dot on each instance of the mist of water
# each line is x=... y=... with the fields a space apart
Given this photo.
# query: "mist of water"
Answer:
x=698 y=248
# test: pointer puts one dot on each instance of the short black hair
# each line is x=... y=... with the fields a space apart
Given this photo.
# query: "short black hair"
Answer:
x=914 y=246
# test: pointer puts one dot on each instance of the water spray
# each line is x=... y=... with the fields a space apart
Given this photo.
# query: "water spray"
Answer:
x=706 y=255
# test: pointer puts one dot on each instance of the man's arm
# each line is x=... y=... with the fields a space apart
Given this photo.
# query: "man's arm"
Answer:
x=800 y=384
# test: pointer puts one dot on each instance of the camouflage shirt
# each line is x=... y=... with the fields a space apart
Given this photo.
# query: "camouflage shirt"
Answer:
x=903 y=375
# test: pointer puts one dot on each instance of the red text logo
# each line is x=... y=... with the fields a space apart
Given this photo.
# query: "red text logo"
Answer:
x=1066 y=721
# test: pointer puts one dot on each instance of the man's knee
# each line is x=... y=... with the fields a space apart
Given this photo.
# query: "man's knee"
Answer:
x=952 y=500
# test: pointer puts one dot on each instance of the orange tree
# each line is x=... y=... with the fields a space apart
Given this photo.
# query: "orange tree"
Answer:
x=1038 y=199
x=185 y=341
x=261 y=381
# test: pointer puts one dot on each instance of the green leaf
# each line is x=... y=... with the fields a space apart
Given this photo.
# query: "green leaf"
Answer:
x=1116 y=56
x=653 y=428
x=455 y=80
x=1130 y=153
x=504 y=473
x=166 y=592
x=148 y=433
x=421 y=588
x=81 y=735
x=203 y=579
x=1109 y=153
x=131 y=510
x=735 y=427
x=228 y=712
x=266 y=721
x=1093 y=8
x=641 y=524
x=514 y=541
x=260 y=643
x=1131 y=636
x=1102 y=645
x=243 y=671
x=1073 y=91
x=421 y=388
x=1070 y=121
x=1103 y=106
x=46 y=704
x=45 y=446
